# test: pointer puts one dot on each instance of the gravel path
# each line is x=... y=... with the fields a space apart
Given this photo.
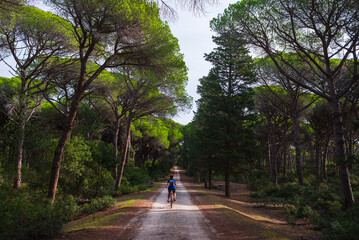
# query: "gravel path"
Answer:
x=183 y=221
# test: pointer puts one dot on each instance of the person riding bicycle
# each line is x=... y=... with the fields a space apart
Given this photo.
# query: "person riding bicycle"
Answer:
x=171 y=185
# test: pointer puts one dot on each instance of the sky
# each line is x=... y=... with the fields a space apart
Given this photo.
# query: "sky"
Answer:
x=195 y=39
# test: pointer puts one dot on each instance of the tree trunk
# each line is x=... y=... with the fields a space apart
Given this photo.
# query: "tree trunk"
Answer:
x=21 y=136
x=20 y=145
x=268 y=160
x=324 y=158
x=340 y=155
x=128 y=133
x=205 y=178
x=317 y=155
x=298 y=158
x=115 y=146
x=210 y=178
x=59 y=151
x=128 y=150
x=153 y=163
x=226 y=180
x=285 y=160
x=272 y=160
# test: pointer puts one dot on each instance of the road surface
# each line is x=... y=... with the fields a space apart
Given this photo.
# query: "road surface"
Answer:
x=183 y=221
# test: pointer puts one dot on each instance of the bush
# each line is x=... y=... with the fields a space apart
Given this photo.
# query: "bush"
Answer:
x=23 y=219
x=67 y=208
x=344 y=226
x=136 y=176
x=98 y=204
x=259 y=179
x=289 y=191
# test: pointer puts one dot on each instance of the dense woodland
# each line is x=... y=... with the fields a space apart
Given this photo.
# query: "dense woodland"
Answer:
x=86 y=116
x=279 y=109
x=86 y=113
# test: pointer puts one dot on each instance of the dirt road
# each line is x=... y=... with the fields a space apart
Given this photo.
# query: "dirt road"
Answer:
x=183 y=221
x=198 y=213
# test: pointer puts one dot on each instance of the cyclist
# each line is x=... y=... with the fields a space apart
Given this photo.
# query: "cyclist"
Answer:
x=171 y=185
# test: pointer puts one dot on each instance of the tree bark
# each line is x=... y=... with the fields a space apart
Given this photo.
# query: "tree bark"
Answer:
x=153 y=163
x=128 y=150
x=285 y=160
x=20 y=145
x=21 y=136
x=298 y=158
x=317 y=155
x=210 y=178
x=272 y=160
x=205 y=178
x=128 y=133
x=59 y=151
x=324 y=158
x=226 y=180
x=340 y=154
x=115 y=146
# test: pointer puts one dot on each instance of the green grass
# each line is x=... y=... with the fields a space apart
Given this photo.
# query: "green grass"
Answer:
x=123 y=203
x=155 y=186
x=91 y=222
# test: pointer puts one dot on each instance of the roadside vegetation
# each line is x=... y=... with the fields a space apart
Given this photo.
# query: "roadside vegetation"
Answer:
x=86 y=116
x=285 y=123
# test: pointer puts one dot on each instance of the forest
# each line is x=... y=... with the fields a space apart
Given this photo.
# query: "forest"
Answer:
x=279 y=109
x=86 y=116
x=87 y=112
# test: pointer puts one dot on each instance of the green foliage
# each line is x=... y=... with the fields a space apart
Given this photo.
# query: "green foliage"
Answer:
x=343 y=226
x=21 y=218
x=98 y=204
x=136 y=176
x=318 y=202
x=258 y=179
x=67 y=208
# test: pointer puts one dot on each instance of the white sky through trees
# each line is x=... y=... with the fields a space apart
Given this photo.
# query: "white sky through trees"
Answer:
x=195 y=39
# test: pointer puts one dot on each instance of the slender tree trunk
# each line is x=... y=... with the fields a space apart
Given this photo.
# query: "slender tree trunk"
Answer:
x=128 y=150
x=198 y=177
x=298 y=158
x=128 y=133
x=268 y=159
x=21 y=134
x=317 y=155
x=59 y=151
x=115 y=147
x=285 y=160
x=20 y=144
x=226 y=180
x=340 y=155
x=210 y=178
x=205 y=178
x=153 y=163
x=272 y=160
x=324 y=158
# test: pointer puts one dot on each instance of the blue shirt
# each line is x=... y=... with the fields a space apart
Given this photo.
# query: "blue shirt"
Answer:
x=174 y=184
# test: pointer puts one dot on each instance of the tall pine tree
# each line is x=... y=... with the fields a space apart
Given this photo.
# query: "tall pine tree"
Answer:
x=226 y=103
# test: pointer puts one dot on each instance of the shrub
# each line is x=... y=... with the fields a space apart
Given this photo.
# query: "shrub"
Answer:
x=22 y=219
x=289 y=191
x=67 y=208
x=343 y=226
x=259 y=179
x=98 y=204
x=136 y=176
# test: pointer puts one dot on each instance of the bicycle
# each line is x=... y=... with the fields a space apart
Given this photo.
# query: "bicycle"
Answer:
x=171 y=197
